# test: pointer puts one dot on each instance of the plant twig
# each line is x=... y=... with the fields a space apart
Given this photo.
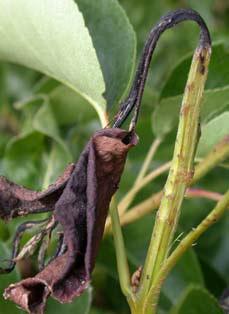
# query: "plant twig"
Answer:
x=181 y=171
x=134 y=98
x=182 y=247
x=141 y=181
x=145 y=166
x=122 y=263
x=126 y=201
x=219 y=153
x=153 y=202
x=193 y=193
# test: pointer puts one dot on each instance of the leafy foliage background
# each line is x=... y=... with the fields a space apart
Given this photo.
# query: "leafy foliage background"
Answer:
x=45 y=122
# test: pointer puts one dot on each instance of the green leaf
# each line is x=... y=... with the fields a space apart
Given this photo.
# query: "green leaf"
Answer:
x=106 y=258
x=45 y=86
x=186 y=271
x=99 y=311
x=4 y=139
x=221 y=259
x=215 y=98
x=54 y=164
x=166 y=115
x=115 y=43
x=26 y=160
x=218 y=75
x=80 y=305
x=44 y=122
x=69 y=108
x=213 y=247
x=22 y=159
x=197 y=300
x=173 y=45
x=104 y=283
x=4 y=231
x=52 y=38
x=214 y=281
x=213 y=132
x=16 y=82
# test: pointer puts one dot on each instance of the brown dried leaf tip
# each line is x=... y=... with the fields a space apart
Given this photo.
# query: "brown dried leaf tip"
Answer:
x=81 y=210
x=17 y=201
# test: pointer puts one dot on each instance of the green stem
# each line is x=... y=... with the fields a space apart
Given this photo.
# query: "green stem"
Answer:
x=152 y=203
x=126 y=201
x=141 y=209
x=181 y=171
x=216 y=156
x=145 y=166
x=122 y=263
x=183 y=246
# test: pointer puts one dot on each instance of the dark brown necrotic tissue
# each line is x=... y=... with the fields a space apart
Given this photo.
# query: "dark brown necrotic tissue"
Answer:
x=81 y=209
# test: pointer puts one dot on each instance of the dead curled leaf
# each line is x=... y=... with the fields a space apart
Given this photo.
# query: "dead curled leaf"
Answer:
x=31 y=294
x=16 y=200
x=81 y=210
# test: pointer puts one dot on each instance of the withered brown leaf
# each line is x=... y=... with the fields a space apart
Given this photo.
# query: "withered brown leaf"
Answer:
x=15 y=200
x=81 y=210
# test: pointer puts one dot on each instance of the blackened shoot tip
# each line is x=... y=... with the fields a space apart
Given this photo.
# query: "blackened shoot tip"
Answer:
x=133 y=101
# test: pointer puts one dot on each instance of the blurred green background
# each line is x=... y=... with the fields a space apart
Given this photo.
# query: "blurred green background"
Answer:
x=44 y=125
